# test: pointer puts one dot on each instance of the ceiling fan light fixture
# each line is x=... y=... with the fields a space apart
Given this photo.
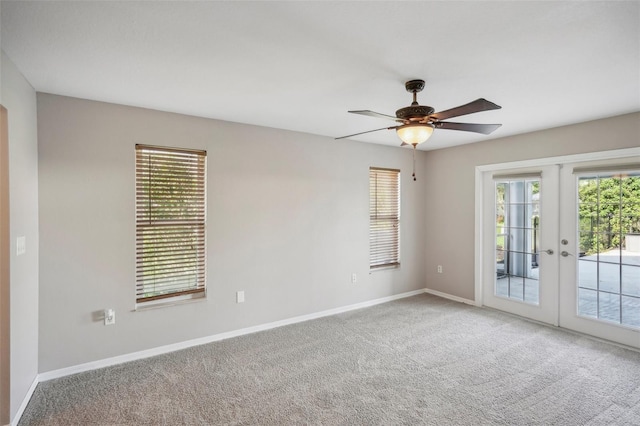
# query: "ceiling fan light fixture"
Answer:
x=414 y=133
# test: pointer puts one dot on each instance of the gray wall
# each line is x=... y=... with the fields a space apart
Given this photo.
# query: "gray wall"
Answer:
x=451 y=185
x=20 y=100
x=287 y=223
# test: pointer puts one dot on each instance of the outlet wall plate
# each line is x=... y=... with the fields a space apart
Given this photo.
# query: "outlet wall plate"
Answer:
x=109 y=317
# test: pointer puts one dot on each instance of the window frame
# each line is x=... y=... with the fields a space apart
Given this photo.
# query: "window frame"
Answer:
x=384 y=247
x=182 y=253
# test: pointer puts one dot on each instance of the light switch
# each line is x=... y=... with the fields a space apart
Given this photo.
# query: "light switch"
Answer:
x=21 y=246
x=240 y=297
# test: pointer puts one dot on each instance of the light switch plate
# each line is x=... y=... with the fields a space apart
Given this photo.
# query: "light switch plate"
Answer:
x=21 y=245
x=240 y=297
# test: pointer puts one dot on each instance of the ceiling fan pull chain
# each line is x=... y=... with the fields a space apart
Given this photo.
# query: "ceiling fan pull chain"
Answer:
x=414 y=163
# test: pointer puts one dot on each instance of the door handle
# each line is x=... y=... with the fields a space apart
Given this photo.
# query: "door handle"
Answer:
x=565 y=253
x=548 y=251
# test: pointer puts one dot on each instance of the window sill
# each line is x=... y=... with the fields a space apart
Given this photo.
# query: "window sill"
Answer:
x=174 y=301
x=384 y=268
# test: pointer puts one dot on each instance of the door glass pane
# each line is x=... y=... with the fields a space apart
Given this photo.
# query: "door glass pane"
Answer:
x=631 y=311
x=517 y=239
x=516 y=288
x=588 y=302
x=609 y=274
x=630 y=280
x=609 y=260
x=608 y=306
x=588 y=273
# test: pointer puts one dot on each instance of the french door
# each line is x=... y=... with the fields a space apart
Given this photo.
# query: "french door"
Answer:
x=520 y=228
x=558 y=244
x=599 y=258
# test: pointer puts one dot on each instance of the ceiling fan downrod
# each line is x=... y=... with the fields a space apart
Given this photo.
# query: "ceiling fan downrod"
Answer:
x=414 y=86
x=414 y=112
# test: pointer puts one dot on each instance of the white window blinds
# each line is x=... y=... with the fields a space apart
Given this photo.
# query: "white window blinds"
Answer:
x=384 y=217
x=170 y=222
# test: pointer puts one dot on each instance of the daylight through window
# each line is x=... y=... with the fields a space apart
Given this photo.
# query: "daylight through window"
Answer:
x=170 y=223
x=384 y=218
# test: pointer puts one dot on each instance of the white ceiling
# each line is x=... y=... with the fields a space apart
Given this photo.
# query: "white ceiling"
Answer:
x=302 y=65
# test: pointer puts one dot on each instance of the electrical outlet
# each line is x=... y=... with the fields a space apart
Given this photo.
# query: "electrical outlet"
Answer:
x=240 y=297
x=354 y=278
x=439 y=269
x=109 y=317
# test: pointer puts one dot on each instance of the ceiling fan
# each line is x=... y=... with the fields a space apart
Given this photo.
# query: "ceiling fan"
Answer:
x=417 y=122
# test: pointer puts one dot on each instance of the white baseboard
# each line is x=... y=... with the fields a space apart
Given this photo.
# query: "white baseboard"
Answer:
x=450 y=297
x=25 y=401
x=54 y=374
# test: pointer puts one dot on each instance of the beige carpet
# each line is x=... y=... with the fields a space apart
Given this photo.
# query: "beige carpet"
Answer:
x=420 y=360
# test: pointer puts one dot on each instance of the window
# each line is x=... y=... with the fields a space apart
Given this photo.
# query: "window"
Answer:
x=384 y=218
x=170 y=223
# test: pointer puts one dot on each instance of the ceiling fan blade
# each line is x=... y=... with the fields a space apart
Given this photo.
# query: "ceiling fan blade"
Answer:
x=368 y=131
x=376 y=114
x=475 y=106
x=485 y=129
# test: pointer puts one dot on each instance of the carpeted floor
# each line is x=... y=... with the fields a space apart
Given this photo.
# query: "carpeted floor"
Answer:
x=420 y=360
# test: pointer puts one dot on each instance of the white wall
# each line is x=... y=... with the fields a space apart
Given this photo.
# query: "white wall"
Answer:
x=20 y=100
x=450 y=189
x=287 y=223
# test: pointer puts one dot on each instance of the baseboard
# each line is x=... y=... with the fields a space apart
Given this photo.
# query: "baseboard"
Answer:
x=450 y=297
x=25 y=401
x=55 y=374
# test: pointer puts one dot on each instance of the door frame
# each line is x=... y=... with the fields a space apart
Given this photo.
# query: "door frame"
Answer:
x=539 y=162
x=5 y=258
